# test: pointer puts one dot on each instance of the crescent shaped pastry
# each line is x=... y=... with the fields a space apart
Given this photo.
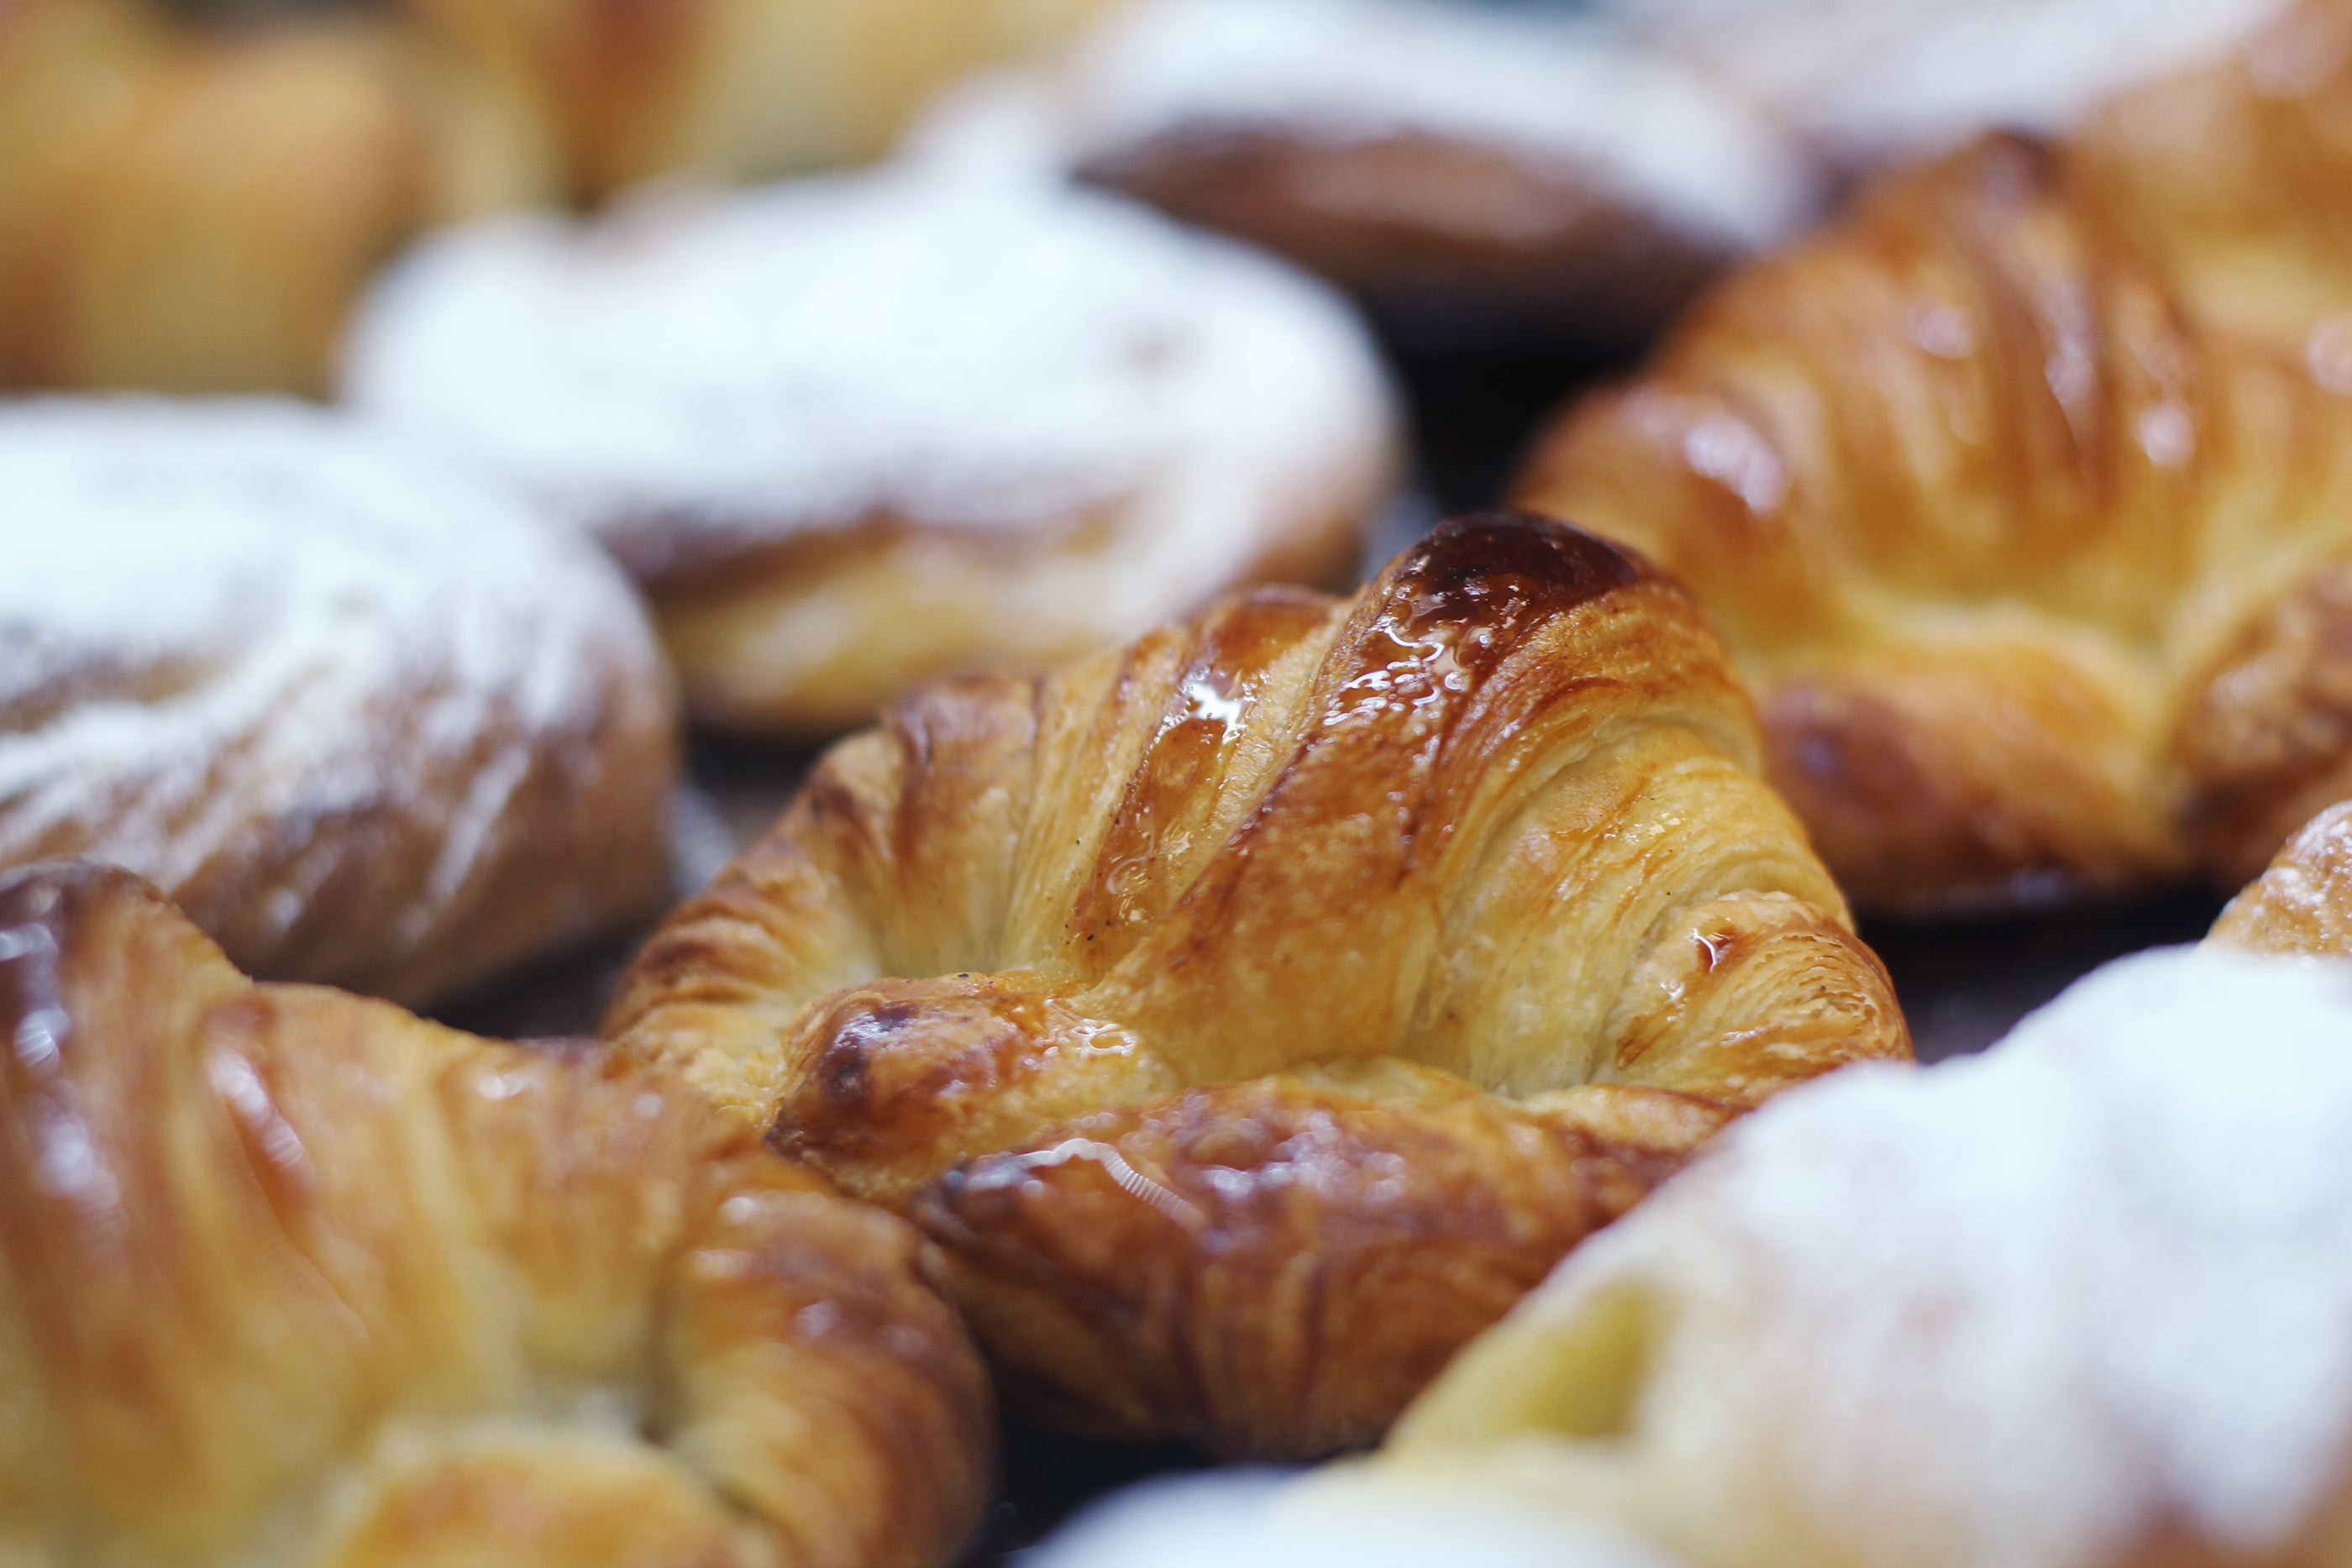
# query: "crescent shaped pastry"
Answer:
x=185 y=209
x=369 y=720
x=854 y=432
x=2082 y=1302
x=1465 y=172
x=291 y=1277
x=2040 y=582
x=1252 y=1014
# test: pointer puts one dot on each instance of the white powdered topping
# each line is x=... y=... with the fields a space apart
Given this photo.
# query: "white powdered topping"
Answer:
x=2025 y=1309
x=958 y=346
x=1654 y=134
x=228 y=627
x=1242 y=1519
x=1877 y=80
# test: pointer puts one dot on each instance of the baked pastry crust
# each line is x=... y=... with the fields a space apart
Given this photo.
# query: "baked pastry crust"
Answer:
x=2082 y=1302
x=369 y=720
x=162 y=228
x=2036 y=575
x=741 y=89
x=289 y=1275
x=855 y=432
x=1252 y=1014
x=1467 y=174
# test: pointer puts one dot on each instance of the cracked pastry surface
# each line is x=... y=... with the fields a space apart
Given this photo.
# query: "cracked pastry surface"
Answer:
x=1253 y=1013
x=850 y=432
x=368 y=719
x=291 y=1279
x=2082 y=1302
x=2039 y=576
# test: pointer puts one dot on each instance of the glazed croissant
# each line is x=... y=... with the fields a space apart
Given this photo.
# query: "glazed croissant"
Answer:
x=288 y=1276
x=1254 y=1013
x=195 y=212
x=2041 y=583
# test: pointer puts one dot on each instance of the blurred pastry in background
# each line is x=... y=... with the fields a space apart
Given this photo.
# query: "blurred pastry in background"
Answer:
x=1871 y=82
x=2233 y=177
x=2084 y=1303
x=1256 y=1518
x=1253 y=1013
x=187 y=209
x=736 y=88
x=292 y=1276
x=1465 y=171
x=852 y=432
x=369 y=720
x=2041 y=581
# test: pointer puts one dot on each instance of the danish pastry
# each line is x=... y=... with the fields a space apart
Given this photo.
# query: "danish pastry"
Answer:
x=192 y=212
x=1252 y=1014
x=2303 y=902
x=1465 y=172
x=854 y=432
x=370 y=721
x=2082 y=1304
x=735 y=87
x=290 y=1276
x=2038 y=579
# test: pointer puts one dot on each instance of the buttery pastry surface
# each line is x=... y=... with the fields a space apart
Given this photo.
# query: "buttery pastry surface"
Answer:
x=854 y=432
x=1253 y=1013
x=186 y=209
x=368 y=719
x=291 y=1277
x=2039 y=576
x=2082 y=1302
x=741 y=89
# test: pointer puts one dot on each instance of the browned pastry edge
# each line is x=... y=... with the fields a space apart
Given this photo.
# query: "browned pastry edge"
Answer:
x=1283 y=778
x=1416 y=226
x=1827 y=440
x=2301 y=902
x=231 y=1212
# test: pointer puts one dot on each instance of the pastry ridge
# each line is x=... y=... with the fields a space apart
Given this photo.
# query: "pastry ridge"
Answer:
x=1307 y=977
x=289 y=1275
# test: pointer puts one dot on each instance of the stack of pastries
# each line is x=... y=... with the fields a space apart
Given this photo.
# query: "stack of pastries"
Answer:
x=1229 y=968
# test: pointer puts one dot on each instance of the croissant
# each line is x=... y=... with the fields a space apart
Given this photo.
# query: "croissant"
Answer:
x=1252 y=1014
x=293 y=1277
x=2083 y=1302
x=192 y=212
x=2037 y=578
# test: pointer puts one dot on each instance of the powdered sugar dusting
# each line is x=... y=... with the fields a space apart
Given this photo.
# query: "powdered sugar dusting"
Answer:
x=2031 y=1309
x=1876 y=81
x=1655 y=134
x=250 y=637
x=956 y=347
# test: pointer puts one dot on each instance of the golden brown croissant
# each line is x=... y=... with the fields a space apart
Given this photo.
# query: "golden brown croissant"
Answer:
x=1254 y=1012
x=289 y=1276
x=740 y=88
x=2040 y=581
x=189 y=212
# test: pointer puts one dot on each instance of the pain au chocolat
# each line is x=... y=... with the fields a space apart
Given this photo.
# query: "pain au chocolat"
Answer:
x=2037 y=574
x=1253 y=1013
x=290 y=1276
